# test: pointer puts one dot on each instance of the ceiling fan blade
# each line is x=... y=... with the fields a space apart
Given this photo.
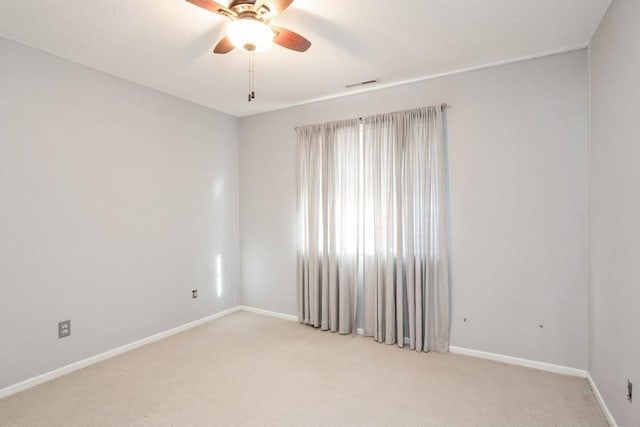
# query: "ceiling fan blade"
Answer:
x=214 y=7
x=275 y=6
x=224 y=46
x=290 y=40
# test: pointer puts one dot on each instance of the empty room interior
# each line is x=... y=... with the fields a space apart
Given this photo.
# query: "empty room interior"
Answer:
x=319 y=213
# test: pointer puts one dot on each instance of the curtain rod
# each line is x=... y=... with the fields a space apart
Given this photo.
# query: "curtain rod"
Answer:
x=443 y=107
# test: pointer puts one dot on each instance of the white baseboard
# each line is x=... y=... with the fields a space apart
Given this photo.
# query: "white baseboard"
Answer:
x=543 y=366
x=269 y=313
x=601 y=401
x=48 y=376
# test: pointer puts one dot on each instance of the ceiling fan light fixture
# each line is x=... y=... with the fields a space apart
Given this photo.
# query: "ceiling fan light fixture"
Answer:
x=249 y=34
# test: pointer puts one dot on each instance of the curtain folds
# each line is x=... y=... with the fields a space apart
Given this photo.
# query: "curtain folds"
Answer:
x=328 y=194
x=372 y=215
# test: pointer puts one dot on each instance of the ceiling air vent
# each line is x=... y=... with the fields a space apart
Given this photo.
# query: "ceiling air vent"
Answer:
x=368 y=82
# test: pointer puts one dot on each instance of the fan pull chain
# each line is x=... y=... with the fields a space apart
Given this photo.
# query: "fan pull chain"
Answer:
x=253 y=76
x=252 y=93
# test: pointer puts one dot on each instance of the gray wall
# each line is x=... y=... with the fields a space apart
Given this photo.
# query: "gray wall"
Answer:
x=614 y=210
x=114 y=202
x=518 y=173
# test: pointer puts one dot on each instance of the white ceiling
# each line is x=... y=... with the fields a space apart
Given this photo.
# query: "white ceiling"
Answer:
x=166 y=44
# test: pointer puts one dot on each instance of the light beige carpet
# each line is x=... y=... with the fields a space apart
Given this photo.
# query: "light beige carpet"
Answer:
x=251 y=370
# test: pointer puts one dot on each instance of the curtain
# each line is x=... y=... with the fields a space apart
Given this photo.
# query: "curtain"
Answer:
x=328 y=193
x=372 y=215
x=406 y=280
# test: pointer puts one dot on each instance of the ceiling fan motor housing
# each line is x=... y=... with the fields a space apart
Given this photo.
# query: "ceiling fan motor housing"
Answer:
x=246 y=9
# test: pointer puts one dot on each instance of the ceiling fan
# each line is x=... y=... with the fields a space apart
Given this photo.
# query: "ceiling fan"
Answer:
x=249 y=28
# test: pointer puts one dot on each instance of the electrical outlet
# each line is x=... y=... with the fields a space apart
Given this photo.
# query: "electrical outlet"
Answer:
x=64 y=328
x=194 y=294
x=629 y=391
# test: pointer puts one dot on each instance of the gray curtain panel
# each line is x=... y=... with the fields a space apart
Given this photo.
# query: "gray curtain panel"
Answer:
x=372 y=215
x=328 y=194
